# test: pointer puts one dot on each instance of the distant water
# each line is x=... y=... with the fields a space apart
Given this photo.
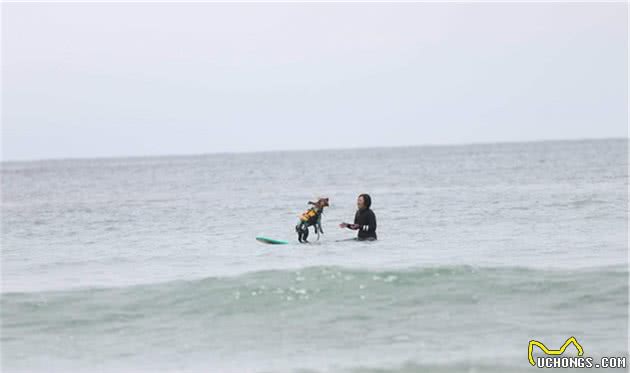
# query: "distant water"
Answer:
x=150 y=264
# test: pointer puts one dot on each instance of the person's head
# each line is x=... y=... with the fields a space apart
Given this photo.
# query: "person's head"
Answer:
x=364 y=201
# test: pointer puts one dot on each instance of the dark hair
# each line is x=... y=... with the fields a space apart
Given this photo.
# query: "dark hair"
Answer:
x=367 y=199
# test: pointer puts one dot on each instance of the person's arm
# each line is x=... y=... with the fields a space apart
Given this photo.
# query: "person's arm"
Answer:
x=349 y=226
x=371 y=225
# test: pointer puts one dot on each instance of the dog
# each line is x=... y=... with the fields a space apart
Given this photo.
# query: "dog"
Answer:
x=311 y=217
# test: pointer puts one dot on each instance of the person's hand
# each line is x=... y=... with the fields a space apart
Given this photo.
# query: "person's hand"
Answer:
x=343 y=225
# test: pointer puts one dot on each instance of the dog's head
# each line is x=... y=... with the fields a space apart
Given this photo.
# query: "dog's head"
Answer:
x=321 y=202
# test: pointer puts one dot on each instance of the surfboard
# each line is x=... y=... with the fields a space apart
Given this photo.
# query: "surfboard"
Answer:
x=347 y=239
x=271 y=241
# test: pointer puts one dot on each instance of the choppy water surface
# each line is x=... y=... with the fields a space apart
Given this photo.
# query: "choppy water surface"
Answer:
x=151 y=263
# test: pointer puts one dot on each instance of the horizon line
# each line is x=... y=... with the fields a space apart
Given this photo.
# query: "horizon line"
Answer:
x=301 y=150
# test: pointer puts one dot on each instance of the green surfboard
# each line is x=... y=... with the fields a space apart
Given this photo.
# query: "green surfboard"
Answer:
x=271 y=241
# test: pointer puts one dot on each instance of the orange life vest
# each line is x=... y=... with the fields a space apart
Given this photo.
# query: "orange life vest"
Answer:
x=310 y=215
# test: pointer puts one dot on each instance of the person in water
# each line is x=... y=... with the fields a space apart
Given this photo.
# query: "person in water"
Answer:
x=364 y=219
x=312 y=217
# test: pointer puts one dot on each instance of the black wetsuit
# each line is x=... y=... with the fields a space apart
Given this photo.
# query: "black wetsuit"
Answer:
x=366 y=220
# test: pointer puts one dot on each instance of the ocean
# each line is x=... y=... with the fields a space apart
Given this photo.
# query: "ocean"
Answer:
x=151 y=264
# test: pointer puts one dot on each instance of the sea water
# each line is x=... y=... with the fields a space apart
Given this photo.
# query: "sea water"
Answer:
x=151 y=264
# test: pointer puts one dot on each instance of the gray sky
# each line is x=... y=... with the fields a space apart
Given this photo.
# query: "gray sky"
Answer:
x=91 y=80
